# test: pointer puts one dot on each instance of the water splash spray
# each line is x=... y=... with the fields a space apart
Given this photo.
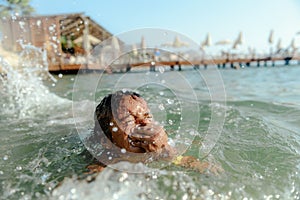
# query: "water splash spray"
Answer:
x=22 y=90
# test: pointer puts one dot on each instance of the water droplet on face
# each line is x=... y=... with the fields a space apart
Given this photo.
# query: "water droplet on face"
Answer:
x=60 y=75
x=19 y=168
x=5 y=157
x=111 y=123
x=123 y=150
x=109 y=158
x=170 y=122
x=115 y=129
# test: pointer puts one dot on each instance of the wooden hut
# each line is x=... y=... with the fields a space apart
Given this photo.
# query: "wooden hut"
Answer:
x=63 y=36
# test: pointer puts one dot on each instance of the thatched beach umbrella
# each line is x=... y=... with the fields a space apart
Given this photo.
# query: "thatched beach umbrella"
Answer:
x=115 y=44
x=207 y=41
x=143 y=43
x=177 y=43
x=134 y=50
x=271 y=37
x=238 y=41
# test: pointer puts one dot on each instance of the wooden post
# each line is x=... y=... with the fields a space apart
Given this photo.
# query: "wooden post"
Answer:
x=287 y=60
x=196 y=66
x=179 y=67
x=128 y=67
x=152 y=66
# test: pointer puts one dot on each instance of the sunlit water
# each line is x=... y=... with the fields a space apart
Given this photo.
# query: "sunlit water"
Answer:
x=259 y=147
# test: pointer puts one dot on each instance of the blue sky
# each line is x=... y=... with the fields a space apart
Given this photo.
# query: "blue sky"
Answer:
x=222 y=19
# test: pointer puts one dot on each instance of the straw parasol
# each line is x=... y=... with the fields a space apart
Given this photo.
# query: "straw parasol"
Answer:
x=207 y=41
x=271 y=37
x=177 y=43
x=238 y=41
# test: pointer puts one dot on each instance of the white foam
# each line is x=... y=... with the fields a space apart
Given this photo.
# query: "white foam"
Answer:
x=23 y=93
x=109 y=184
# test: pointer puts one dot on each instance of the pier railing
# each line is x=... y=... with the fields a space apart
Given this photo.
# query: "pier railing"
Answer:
x=125 y=65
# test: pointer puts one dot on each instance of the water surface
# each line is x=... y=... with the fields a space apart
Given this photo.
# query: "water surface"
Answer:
x=259 y=145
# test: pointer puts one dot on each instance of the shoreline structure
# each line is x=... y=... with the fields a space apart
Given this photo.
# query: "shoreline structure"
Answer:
x=68 y=40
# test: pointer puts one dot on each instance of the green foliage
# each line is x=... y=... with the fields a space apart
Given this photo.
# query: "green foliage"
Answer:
x=13 y=7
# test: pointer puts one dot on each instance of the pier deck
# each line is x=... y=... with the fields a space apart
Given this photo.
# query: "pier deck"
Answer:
x=233 y=63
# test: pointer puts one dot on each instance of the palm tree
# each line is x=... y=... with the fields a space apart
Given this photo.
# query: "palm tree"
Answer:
x=15 y=7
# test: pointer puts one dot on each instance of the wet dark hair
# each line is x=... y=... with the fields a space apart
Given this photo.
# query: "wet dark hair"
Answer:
x=103 y=113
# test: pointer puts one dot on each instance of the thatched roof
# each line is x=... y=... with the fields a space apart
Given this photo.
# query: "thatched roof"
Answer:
x=74 y=25
x=39 y=29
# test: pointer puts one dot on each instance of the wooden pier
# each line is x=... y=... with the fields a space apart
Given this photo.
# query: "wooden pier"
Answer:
x=220 y=63
x=179 y=65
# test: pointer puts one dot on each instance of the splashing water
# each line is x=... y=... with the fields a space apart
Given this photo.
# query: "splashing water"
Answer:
x=22 y=89
x=32 y=125
x=258 y=149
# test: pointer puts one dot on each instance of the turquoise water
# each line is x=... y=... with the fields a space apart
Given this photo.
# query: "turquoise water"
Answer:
x=258 y=147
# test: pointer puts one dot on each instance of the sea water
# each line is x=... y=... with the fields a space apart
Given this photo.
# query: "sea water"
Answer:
x=42 y=156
